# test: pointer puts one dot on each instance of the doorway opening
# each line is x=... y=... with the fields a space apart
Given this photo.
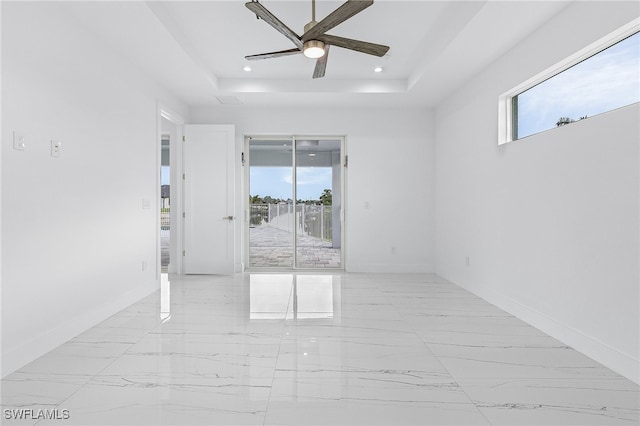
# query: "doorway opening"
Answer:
x=295 y=194
x=169 y=168
x=165 y=203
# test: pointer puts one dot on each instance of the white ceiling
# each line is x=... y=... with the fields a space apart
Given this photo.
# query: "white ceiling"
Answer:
x=196 y=49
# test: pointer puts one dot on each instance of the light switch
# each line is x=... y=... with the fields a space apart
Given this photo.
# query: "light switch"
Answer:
x=56 y=147
x=18 y=141
x=146 y=204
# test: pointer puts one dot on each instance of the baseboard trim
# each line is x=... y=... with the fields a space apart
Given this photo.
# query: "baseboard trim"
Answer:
x=16 y=358
x=620 y=362
x=411 y=268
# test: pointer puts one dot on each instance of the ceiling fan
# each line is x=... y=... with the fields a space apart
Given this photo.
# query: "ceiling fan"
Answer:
x=314 y=43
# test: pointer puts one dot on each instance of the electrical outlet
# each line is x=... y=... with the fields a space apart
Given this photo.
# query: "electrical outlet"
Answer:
x=393 y=249
x=56 y=147
x=18 y=141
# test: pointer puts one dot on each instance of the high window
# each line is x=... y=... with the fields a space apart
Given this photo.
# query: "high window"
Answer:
x=601 y=78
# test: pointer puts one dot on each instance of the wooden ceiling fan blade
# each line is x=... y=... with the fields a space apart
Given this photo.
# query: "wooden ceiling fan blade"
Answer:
x=273 y=54
x=338 y=16
x=270 y=19
x=321 y=63
x=357 y=45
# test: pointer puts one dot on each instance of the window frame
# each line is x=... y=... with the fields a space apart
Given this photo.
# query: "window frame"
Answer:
x=507 y=104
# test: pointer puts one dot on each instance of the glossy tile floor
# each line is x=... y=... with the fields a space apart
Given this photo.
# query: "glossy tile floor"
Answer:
x=270 y=349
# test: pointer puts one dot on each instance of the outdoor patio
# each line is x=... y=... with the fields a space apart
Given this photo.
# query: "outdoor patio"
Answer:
x=271 y=247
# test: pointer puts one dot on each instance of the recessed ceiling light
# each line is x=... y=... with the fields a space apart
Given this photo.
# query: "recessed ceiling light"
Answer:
x=377 y=69
x=247 y=68
x=312 y=154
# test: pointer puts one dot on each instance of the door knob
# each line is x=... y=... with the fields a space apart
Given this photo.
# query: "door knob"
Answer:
x=228 y=217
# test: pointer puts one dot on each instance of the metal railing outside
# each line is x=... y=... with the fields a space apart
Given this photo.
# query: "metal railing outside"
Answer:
x=165 y=222
x=312 y=220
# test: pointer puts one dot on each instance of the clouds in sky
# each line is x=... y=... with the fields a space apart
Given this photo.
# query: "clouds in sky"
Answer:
x=312 y=176
x=606 y=81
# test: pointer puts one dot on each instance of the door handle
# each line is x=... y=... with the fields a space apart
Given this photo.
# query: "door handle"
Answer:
x=228 y=217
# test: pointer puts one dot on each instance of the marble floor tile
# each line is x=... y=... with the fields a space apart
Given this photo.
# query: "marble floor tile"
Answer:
x=168 y=400
x=369 y=397
x=610 y=401
x=40 y=390
x=306 y=349
x=324 y=404
x=552 y=362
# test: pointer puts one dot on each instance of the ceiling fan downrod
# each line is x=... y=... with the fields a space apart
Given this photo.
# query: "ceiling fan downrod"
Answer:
x=313 y=49
x=313 y=17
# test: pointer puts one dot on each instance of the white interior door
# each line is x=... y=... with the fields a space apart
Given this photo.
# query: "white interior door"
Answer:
x=209 y=165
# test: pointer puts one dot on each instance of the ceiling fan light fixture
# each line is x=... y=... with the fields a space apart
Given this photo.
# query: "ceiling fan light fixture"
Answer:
x=313 y=49
x=315 y=42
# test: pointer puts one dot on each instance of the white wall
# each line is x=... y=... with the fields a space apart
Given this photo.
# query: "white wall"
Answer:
x=390 y=167
x=550 y=222
x=74 y=231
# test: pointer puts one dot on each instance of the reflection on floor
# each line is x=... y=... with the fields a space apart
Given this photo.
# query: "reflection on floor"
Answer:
x=273 y=247
x=317 y=349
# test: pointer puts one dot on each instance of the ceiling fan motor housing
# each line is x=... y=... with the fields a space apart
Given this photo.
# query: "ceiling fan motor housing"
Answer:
x=309 y=26
x=313 y=49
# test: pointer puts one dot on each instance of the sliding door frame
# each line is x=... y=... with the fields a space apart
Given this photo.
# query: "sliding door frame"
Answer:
x=246 y=158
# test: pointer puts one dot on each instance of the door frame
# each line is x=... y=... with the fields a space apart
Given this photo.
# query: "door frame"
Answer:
x=246 y=194
x=176 y=170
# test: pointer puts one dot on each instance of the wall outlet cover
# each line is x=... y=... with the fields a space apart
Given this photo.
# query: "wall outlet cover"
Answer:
x=18 y=141
x=56 y=147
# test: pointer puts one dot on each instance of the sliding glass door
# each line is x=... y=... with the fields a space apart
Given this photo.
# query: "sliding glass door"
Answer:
x=271 y=206
x=318 y=178
x=294 y=219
